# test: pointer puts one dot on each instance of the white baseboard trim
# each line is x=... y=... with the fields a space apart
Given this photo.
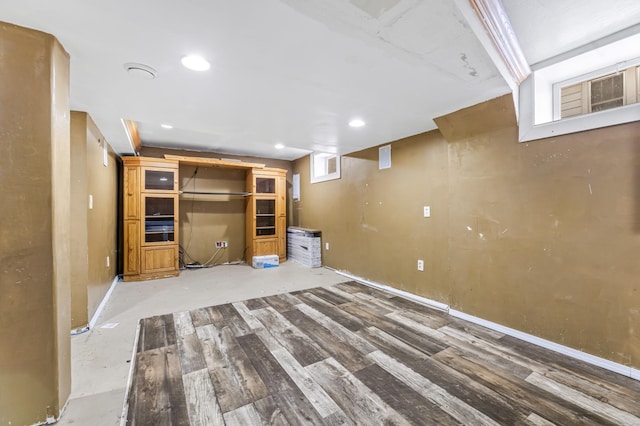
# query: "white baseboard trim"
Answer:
x=556 y=347
x=547 y=344
x=405 y=294
x=50 y=420
x=80 y=330
x=125 y=403
x=102 y=304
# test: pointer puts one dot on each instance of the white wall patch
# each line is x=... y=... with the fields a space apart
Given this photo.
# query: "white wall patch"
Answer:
x=384 y=157
x=296 y=187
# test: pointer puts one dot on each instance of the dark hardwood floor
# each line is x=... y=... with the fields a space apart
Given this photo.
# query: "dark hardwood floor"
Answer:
x=351 y=354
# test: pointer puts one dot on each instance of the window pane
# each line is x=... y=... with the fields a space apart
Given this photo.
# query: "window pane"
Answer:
x=606 y=105
x=607 y=89
x=331 y=165
x=324 y=166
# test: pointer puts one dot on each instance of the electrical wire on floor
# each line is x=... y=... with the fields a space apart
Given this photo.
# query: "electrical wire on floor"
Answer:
x=210 y=263
x=184 y=256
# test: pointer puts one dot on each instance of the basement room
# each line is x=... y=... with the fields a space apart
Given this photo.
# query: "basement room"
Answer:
x=320 y=212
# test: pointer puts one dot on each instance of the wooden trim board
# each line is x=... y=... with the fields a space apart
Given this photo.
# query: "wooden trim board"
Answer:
x=213 y=162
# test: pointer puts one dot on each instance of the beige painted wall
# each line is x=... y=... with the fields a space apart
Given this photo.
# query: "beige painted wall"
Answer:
x=206 y=219
x=541 y=237
x=102 y=220
x=372 y=219
x=34 y=235
x=78 y=234
x=94 y=231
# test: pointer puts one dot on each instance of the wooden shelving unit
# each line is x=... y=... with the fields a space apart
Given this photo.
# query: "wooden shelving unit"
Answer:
x=150 y=210
x=266 y=213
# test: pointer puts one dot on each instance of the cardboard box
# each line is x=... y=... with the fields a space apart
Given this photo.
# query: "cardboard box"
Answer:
x=267 y=261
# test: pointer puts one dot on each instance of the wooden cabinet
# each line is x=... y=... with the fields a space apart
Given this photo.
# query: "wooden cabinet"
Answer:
x=266 y=213
x=131 y=191
x=150 y=213
x=158 y=259
x=131 y=247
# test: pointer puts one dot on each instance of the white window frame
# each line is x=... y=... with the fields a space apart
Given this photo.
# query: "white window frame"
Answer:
x=537 y=91
x=319 y=165
x=588 y=77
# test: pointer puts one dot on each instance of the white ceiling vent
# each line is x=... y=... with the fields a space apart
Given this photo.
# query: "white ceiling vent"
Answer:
x=142 y=71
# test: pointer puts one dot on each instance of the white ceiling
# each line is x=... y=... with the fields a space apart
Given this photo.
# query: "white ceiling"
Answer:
x=546 y=28
x=293 y=71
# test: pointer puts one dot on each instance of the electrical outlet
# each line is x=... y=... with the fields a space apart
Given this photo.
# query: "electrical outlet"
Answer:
x=90 y=201
x=427 y=211
x=108 y=262
x=222 y=244
x=326 y=246
x=225 y=244
x=420 y=265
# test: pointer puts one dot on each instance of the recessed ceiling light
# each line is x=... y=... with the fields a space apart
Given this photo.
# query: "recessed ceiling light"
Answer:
x=195 y=63
x=356 y=123
x=279 y=146
x=166 y=126
x=140 y=70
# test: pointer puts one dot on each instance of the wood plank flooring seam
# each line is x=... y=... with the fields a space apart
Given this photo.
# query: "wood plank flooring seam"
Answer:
x=457 y=409
x=584 y=401
x=351 y=354
x=307 y=385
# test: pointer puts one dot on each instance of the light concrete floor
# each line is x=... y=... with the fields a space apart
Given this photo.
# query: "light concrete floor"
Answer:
x=100 y=358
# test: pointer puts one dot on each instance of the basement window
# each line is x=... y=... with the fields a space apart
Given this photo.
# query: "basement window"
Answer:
x=591 y=87
x=324 y=166
x=611 y=88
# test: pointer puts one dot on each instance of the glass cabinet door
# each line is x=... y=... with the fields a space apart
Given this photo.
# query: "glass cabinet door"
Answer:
x=265 y=217
x=265 y=185
x=159 y=214
x=158 y=180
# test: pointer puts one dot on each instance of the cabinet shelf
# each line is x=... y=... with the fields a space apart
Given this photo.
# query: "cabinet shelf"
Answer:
x=240 y=193
x=159 y=216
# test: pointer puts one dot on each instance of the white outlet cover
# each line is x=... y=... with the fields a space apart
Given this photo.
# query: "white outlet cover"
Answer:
x=90 y=201
x=427 y=211
x=326 y=246
x=420 y=265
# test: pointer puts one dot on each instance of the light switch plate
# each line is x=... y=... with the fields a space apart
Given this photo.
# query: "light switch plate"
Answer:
x=90 y=201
